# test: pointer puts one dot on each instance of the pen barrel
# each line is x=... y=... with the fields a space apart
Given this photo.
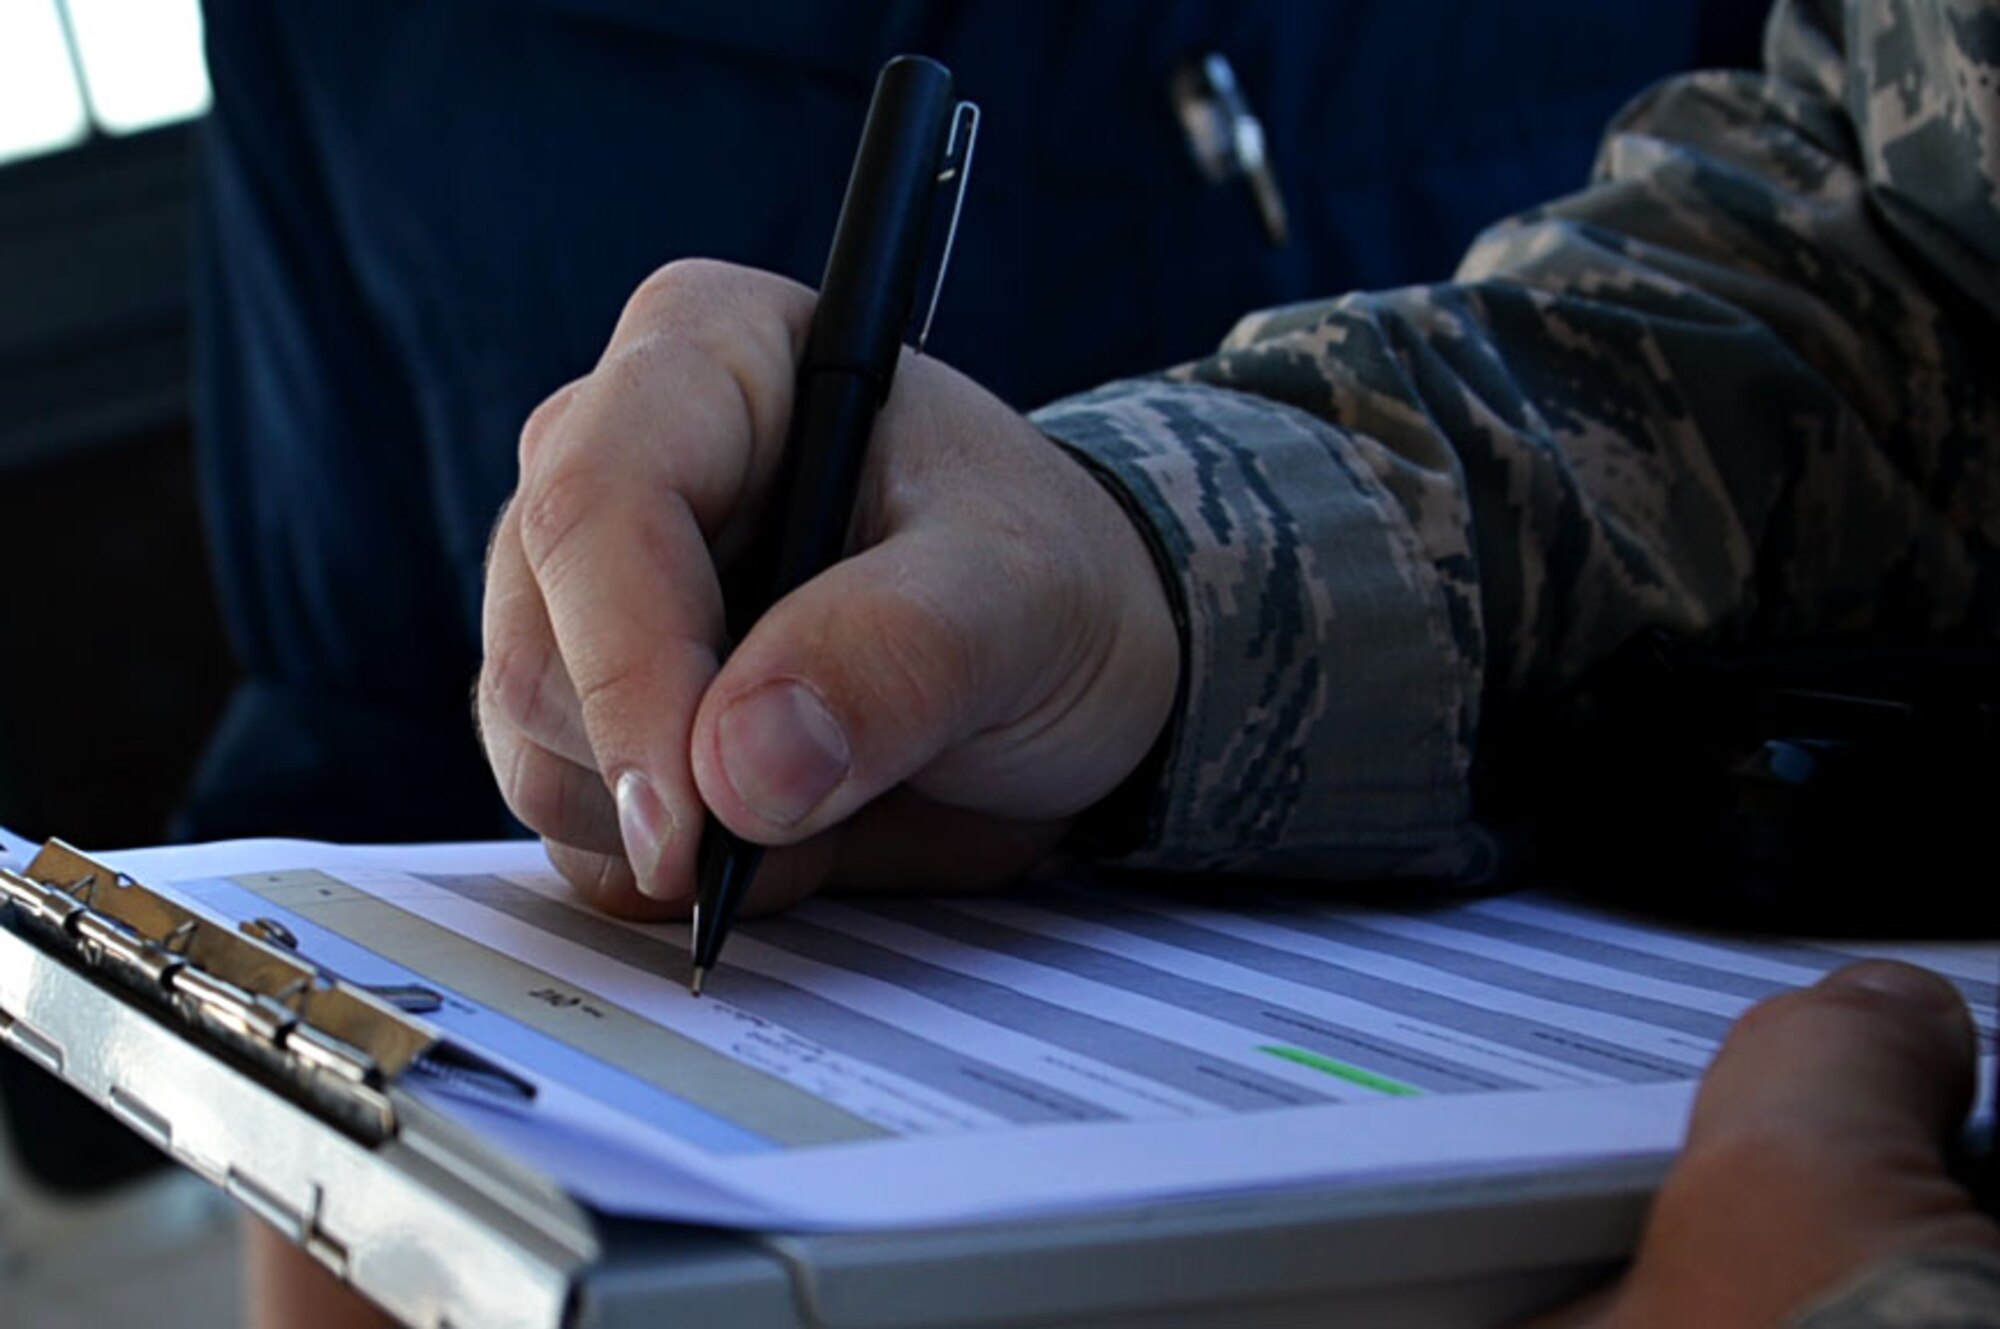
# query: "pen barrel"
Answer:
x=844 y=376
x=725 y=865
x=869 y=287
x=823 y=480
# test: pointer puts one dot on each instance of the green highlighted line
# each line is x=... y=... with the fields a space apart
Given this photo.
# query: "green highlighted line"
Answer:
x=1381 y=1084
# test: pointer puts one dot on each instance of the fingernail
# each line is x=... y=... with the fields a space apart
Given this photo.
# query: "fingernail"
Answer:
x=782 y=751
x=647 y=828
x=1900 y=982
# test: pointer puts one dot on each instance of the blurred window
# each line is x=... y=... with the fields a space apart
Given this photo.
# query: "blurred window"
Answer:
x=41 y=106
x=74 y=69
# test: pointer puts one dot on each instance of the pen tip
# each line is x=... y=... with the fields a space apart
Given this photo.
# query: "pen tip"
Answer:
x=694 y=980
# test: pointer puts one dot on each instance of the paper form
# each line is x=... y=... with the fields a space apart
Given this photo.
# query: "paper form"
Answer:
x=881 y=1062
x=15 y=852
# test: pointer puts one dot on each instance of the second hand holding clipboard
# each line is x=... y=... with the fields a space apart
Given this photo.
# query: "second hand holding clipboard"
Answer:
x=917 y=139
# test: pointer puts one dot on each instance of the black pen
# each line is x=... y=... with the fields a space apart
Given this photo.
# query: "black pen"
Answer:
x=917 y=138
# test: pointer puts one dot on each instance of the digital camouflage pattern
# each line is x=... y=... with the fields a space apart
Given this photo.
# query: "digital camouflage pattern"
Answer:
x=1744 y=386
x=1939 y=1290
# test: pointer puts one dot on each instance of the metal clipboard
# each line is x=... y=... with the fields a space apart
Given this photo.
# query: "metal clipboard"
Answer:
x=278 y=1083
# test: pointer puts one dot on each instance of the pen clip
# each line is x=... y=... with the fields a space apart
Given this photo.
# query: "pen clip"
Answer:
x=955 y=170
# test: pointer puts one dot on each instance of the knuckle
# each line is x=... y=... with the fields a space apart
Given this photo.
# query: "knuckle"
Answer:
x=584 y=870
x=738 y=318
x=516 y=679
x=604 y=693
x=560 y=799
x=604 y=880
x=682 y=285
x=550 y=512
x=531 y=784
x=541 y=421
x=604 y=876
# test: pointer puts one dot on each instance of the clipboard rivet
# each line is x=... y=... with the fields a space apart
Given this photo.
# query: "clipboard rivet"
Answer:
x=272 y=931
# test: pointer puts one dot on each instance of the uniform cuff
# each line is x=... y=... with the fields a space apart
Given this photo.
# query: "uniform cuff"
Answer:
x=1328 y=709
x=1922 y=1290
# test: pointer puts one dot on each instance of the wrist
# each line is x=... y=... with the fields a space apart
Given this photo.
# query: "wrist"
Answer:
x=1125 y=819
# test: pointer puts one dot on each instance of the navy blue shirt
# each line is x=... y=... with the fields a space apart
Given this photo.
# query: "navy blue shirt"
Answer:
x=422 y=217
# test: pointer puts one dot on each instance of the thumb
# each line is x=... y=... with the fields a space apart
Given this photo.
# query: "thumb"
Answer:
x=1880 y=1052
x=1816 y=1148
x=930 y=658
x=1002 y=644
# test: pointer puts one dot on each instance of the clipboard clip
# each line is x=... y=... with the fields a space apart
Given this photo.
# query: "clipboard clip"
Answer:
x=954 y=173
x=336 y=1045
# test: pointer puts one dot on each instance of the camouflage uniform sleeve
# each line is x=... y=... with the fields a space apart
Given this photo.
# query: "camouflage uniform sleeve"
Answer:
x=1926 y=1290
x=1742 y=387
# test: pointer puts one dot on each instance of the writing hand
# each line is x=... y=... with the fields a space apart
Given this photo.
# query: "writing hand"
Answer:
x=995 y=655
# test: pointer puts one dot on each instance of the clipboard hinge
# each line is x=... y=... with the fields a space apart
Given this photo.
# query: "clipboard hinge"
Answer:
x=301 y=1227
x=333 y=1045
